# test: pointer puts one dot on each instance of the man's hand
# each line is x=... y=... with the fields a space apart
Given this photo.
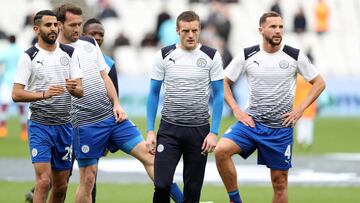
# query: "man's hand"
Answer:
x=292 y=117
x=119 y=113
x=151 y=142
x=244 y=118
x=54 y=90
x=209 y=144
x=70 y=84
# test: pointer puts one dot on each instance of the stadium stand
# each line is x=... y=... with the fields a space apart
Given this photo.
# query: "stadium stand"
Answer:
x=335 y=52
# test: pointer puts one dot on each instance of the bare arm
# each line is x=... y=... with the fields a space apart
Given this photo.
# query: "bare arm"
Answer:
x=229 y=98
x=318 y=85
x=119 y=112
x=19 y=94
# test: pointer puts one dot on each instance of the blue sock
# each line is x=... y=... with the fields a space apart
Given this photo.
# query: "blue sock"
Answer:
x=176 y=194
x=234 y=196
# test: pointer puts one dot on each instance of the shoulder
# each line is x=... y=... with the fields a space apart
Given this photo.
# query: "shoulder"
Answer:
x=250 y=51
x=88 y=39
x=32 y=52
x=165 y=51
x=67 y=49
x=208 y=51
x=291 y=51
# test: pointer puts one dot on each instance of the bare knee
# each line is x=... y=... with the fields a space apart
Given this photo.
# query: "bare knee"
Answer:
x=43 y=183
x=60 y=190
x=279 y=183
x=222 y=153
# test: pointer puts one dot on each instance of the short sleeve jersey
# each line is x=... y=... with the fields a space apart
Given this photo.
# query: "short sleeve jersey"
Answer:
x=95 y=105
x=186 y=77
x=37 y=70
x=272 y=79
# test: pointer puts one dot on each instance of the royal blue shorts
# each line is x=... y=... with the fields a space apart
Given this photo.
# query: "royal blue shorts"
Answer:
x=51 y=143
x=274 y=145
x=90 y=141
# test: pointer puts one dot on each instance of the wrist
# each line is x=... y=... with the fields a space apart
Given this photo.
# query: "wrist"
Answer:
x=43 y=95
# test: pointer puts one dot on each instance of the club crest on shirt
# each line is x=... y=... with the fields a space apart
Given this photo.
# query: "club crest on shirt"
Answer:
x=88 y=48
x=201 y=62
x=284 y=64
x=64 y=61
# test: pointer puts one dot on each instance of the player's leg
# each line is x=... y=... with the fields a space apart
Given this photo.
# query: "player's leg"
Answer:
x=42 y=181
x=168 y=153
x=40 y=149
x=87 y=170
x=61 y=161
x=59 y=185
x=275 y=151
x=279 y=180
x=236 y=140
x=194 y=161
x=89 y=145
x=127 y=137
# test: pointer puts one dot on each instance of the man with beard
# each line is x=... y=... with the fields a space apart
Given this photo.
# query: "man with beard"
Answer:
x=267 y=124
x=98 y=119
x=47 y=75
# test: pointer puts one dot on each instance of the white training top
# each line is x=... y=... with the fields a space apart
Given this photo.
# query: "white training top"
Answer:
x=272 y=80
x=186 y=76
x=95 y=105
x=37 y=70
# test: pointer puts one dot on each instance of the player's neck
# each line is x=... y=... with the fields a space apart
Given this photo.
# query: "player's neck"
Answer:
x=46 y=46
x=269 y=48
x=63 y=40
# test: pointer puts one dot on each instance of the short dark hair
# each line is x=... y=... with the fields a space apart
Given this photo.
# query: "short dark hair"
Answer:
x=187 y=16
x=38 y=16
x=268 y=15
x=89 y=22
x=60 y=11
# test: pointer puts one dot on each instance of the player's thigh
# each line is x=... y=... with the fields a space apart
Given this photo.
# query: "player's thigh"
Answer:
x=126 y=137
x=227 y=146
x=60 y=177
x=240 y=135
x=141 y=153
x=42 y=170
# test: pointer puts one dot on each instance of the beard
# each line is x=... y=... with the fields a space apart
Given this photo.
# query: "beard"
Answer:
x=272 y=42
x=47 y=39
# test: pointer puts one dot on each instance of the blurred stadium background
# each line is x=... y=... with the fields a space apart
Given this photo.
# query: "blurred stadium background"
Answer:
x=328 y=172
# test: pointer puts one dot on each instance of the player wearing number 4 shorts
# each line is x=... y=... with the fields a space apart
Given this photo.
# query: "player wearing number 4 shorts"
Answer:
x=267 y=124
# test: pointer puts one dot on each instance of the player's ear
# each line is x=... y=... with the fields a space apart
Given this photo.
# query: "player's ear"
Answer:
x=36 y=28
x=260 y=30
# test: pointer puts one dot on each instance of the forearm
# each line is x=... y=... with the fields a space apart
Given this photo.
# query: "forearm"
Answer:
x=218 y=103
x=26 y=96
x=318 y=85
x=152 y=104
x=228 y=96
x=111 y=91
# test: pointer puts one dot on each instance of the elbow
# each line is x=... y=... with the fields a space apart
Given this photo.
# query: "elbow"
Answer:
x=15 y=98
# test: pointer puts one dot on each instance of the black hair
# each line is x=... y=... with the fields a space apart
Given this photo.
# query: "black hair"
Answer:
x=89 y=22
x=38 y=16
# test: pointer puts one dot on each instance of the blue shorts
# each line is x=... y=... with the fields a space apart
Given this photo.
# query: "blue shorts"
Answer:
x=90 y=141
x=51 y=143
x=274 y=145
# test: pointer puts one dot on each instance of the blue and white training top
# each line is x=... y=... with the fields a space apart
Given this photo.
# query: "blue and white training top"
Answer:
x=37 y=70
x=95 y=105
x=271 y=79
x=186 y=76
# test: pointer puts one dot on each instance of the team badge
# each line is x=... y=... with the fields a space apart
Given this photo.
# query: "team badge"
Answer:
x=88 y=48
x=160 y=148
x=64 y=61
x=284 y=64
x=34 y=152
x=85 y=149
x=201 y=63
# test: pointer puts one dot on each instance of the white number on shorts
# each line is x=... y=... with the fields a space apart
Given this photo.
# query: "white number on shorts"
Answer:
x=288 y=152
x=68 y=153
